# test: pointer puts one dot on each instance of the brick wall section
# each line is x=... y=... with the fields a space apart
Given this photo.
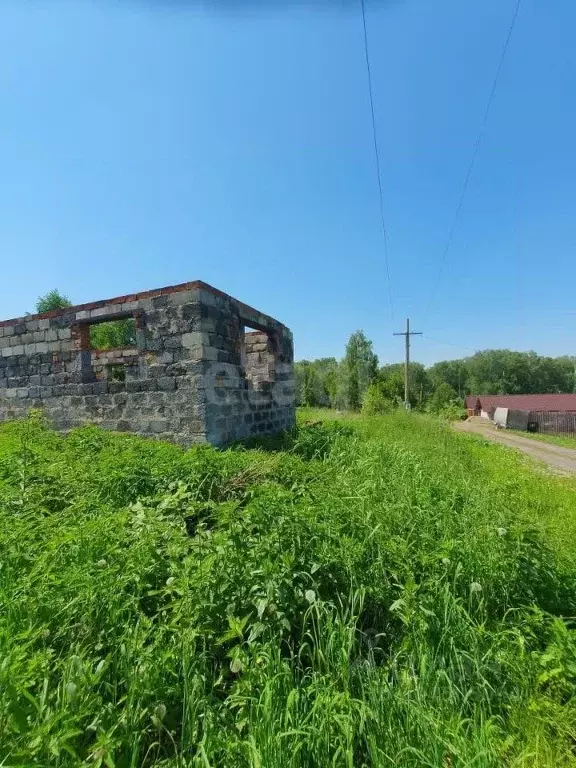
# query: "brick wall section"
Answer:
x=259 y=359
x=193 y=376
x=102 y=361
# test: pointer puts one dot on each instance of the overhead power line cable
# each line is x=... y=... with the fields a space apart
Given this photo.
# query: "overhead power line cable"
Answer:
x=474 y=156
x=448 y=343
x=377 y=156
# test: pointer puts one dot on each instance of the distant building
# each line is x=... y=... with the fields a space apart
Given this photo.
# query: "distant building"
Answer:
x=484 y=405
x=555 y=414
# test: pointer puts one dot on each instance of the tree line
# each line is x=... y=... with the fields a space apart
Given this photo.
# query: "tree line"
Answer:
x=358 y=382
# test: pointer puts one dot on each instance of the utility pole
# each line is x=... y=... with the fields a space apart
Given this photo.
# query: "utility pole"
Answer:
x=407 y=333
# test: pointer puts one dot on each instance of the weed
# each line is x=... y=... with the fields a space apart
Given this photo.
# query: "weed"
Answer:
x=367 y=592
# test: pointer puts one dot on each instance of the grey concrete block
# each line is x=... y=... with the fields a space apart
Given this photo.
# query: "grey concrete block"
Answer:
x=166 y=383
x=187 y=385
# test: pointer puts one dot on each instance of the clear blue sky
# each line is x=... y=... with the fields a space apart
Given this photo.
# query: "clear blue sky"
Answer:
x=146 y=143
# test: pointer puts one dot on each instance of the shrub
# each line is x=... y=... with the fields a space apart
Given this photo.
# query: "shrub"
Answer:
x=375 y=401
x=442 y=397
x=452 y=412
x=374 y=593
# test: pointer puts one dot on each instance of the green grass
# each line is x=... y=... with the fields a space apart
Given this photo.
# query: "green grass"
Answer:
x=368 y=593
x=565 y=441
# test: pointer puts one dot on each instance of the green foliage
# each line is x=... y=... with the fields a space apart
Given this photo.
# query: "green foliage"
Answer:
x=316 y=382
x=375 y=593
x=115 y=334
x=307 y=384
x=392 y=378
x=52 y=300
x=452 y=372
x=343 y=385
x=443 y=397
x=502 y=371
x=360 y=367
x=327 y=383
x=564 y=441
x=452 y=411
x=376 y=401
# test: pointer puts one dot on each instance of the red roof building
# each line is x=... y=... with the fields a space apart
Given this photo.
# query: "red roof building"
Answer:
x=532 y=403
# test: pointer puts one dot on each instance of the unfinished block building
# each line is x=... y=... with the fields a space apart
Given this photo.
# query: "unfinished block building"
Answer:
x=195 y=374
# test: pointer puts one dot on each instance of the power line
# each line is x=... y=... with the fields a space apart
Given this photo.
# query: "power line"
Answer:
x=474 y=155
x=377 y=155
x=448 y=343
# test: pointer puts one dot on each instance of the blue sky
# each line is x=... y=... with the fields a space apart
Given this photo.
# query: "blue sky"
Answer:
x=146 y=143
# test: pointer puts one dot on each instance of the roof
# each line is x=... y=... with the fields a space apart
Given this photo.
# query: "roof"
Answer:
x=552 y=402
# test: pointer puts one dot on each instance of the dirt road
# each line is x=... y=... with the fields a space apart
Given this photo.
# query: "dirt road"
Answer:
x=556 y=457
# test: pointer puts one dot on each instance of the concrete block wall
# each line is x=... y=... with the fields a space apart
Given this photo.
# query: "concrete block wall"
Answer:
x=194 y=375
x=103 y=361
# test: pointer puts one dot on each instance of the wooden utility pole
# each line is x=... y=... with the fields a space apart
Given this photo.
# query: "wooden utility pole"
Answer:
x=407 y=333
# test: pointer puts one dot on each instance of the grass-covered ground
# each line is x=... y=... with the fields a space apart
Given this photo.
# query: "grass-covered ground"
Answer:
x=565 y=441
x=381 y=593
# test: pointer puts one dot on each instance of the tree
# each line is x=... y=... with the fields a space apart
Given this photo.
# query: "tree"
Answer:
x=392 y=378
x=452 y=372
x=442 y=396
x=375 y=401
x=493 y=371
x=115 y=334
x=327 y=368
x=392 y=383
x=316 y=382
x=307 y=384
x=52 y=300
x=360 y=369
x=505 y=372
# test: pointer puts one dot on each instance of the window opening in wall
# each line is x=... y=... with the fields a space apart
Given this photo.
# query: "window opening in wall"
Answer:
x=107 y=349
x=113 y=334
x=116 y=372
x=244 y=336
x=258 y=358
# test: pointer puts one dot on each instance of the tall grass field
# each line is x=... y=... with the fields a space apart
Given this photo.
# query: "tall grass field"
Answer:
x=362 y=593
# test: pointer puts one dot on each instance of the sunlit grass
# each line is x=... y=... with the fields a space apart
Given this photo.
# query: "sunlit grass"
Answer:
x=565 y=441
x=373 y=593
